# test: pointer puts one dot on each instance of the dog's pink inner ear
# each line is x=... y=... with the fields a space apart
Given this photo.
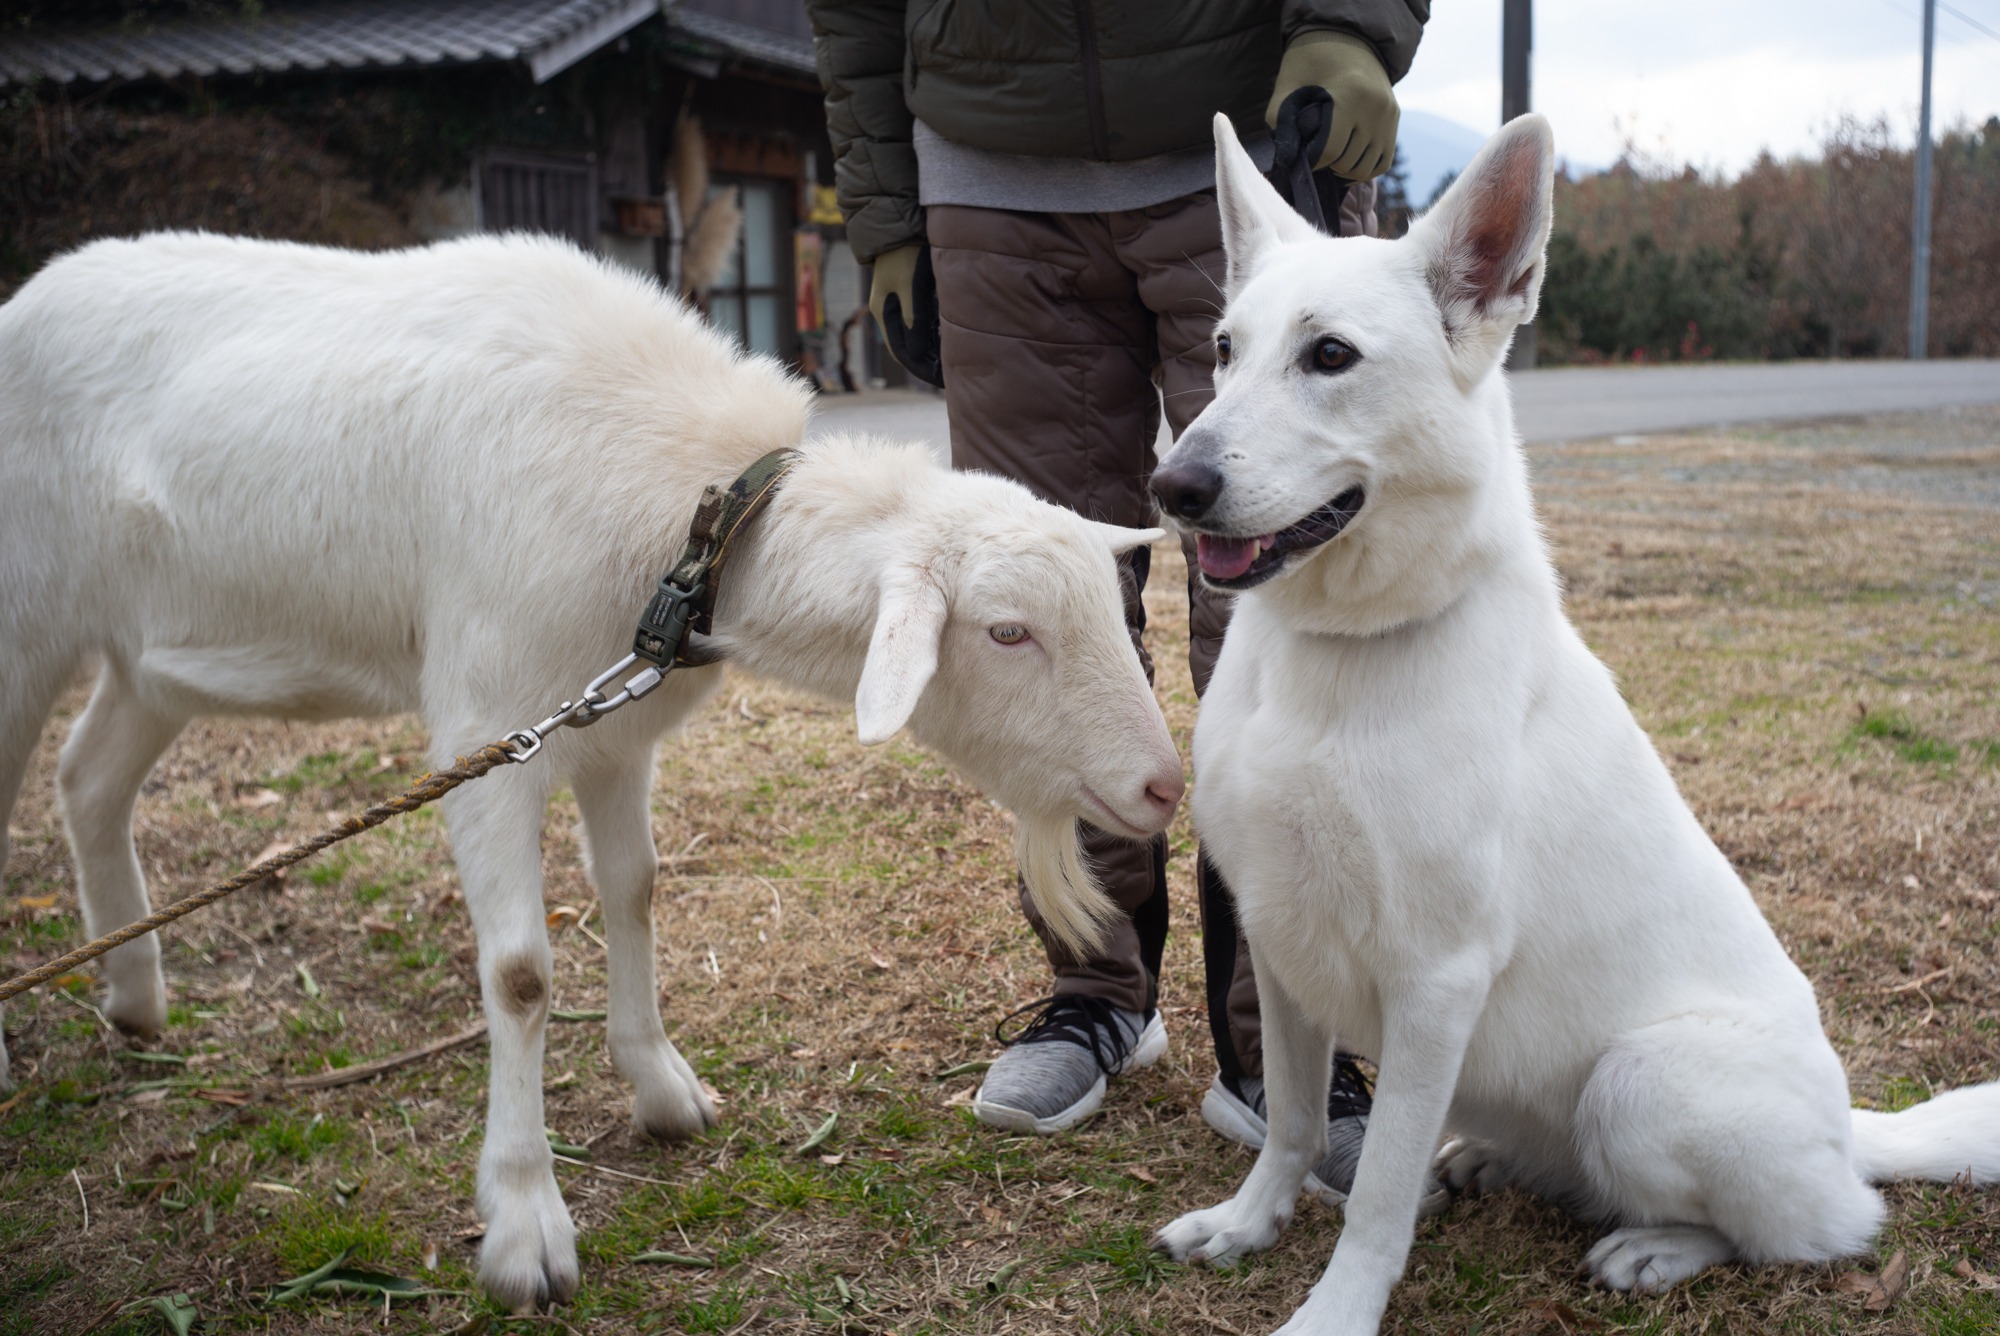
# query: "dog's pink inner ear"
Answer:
x=1494 y=248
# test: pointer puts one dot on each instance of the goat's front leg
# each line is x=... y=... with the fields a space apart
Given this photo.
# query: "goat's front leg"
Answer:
x=615 y=799
x=529 y=1256
x=1425 y=1029
x=1298 y=1065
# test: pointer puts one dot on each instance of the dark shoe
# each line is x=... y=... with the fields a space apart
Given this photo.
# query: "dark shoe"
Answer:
x=1238 y=1114
x=1054 y=1071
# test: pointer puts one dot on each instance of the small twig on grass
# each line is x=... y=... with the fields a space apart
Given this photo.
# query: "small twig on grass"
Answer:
x=78 y=1180
x=964 y=1069
x=605 y=1169
x=1915 y=984
x=364 y=1071
x=68 y=997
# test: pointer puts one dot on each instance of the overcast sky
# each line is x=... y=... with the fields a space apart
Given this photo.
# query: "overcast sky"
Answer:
x=1710 y=81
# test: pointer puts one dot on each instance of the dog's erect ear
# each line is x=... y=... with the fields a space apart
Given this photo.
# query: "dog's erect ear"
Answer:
x=1484 y=242
x=902 y=654
x=1255 y=219
x=1122 y=539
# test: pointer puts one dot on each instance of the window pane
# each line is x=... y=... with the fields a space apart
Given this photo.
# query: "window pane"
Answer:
x=727 y=314
x=764 y=322
x=730 y=267
x=760 y=233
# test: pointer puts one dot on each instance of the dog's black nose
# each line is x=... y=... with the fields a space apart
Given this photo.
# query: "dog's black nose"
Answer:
x=1186 y=491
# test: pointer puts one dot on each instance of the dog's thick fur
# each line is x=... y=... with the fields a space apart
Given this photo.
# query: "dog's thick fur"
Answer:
x=271 y=479
x=1451 y=845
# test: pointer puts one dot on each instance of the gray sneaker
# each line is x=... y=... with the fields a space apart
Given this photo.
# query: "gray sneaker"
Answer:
x=1238 y=1114
x=1053 y=1073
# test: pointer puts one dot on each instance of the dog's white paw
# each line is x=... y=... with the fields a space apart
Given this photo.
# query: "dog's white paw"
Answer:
x=1649 y=1259
x=528 y=1260
x=667 y=1099
x=1221 y=1235
x=1471 y=1166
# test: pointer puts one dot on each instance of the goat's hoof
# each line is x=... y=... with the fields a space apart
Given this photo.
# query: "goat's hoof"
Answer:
x=668 y=1101
x=673 y=1112
x=138 y=1009
x=528 y=1260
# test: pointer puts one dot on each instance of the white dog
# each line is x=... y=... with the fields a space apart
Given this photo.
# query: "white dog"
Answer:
x=1451 y=845
x=252 y=478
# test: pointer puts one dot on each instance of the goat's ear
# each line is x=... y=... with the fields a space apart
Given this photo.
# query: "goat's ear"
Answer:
x=1122 y=539
x=902 y=654
x=1484 y=243
x=1255 y=218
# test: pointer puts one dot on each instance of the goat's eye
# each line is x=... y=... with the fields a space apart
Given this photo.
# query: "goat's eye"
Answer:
x=1222 y=350
x=1009 y=634
x=1333 y=355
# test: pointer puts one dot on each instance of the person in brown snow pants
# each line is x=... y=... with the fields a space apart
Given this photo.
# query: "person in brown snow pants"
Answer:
x=1033 y=183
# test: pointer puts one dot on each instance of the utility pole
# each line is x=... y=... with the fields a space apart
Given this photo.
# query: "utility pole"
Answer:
x=1517 y=39
x=1920 y=240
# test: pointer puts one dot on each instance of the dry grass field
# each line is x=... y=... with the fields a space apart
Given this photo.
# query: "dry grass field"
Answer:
x=1804 y=619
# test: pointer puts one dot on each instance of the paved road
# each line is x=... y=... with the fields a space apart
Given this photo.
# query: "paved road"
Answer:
x=1576 y=403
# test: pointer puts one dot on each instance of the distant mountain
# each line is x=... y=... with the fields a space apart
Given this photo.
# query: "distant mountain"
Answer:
x=1433 y=148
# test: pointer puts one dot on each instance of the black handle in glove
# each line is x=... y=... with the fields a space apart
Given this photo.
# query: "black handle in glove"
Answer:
x=913 y=336
x=1298 y=139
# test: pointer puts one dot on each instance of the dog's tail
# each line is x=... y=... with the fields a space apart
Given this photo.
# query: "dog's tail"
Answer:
x=1956 y=1135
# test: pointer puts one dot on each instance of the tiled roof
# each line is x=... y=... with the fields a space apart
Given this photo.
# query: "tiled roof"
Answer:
x=782 y=50
x=549 y=35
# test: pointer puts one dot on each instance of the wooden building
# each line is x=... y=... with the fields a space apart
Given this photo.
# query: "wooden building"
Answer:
x=552 y=115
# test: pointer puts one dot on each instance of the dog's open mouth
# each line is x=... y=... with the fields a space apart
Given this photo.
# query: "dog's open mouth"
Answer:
x=1238 y=563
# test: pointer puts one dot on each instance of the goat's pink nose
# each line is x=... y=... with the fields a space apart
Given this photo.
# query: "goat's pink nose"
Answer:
x=1165 y=791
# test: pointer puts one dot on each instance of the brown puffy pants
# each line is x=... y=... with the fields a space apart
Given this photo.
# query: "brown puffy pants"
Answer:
x=1064 y=336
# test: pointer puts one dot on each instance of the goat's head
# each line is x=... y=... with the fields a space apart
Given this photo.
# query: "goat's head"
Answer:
x=1000 y=639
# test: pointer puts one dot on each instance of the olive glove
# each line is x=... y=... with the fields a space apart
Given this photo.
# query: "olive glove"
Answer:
x=1362 y=142
x=903 y=298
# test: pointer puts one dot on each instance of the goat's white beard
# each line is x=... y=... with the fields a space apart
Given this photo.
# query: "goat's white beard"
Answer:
x=1060 y=882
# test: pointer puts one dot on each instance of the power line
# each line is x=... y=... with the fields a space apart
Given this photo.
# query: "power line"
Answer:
x=1968 y=20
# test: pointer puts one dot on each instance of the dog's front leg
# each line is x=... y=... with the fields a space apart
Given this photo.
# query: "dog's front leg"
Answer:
x=1298 y=1064
x=1425 y=1030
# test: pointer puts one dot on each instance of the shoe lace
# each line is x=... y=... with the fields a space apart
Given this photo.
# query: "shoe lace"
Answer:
x=1070 y=1018
x=1349 y=1096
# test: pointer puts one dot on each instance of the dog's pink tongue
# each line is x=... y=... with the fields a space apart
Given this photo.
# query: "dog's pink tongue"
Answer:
x=1224 y=558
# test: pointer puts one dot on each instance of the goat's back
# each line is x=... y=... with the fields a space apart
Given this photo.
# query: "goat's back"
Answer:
x=214 y=442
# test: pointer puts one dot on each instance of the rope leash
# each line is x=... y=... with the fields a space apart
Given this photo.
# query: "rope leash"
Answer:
x=427 y=789
x=684 y=603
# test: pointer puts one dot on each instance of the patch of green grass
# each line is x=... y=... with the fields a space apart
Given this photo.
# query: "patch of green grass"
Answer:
x=316 y=1018
x=288 y=1137
x=49 y=1133
x=1908 y=741
x=369 y=892
x=24 y=1286
x=1902 y=1092
x=1965 y=1315
x=1127 y=1252
x=328 y=871
x=425 y=955
x=719 y=1312
x=312 y=1233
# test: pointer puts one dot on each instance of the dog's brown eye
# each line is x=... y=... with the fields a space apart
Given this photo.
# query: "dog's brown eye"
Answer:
x=1009 y=634
x=1332 y=355
x=1222 y=350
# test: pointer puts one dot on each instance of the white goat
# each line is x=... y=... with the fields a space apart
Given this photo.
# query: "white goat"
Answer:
x=270 y=479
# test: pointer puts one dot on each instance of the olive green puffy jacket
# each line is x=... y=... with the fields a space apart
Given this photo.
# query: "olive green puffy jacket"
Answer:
x=1107 y=79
